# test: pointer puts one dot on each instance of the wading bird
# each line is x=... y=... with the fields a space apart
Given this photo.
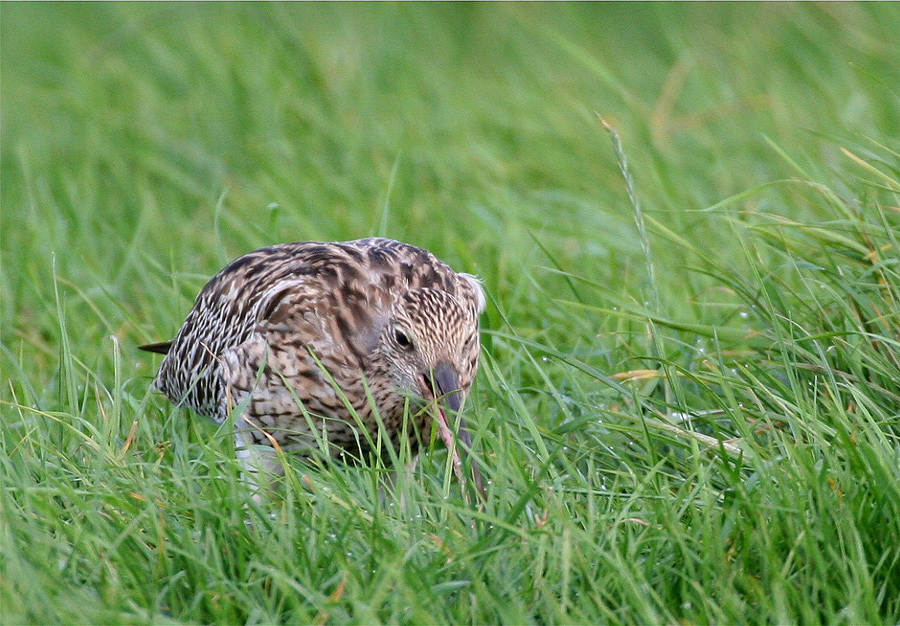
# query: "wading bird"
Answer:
x=336 y=340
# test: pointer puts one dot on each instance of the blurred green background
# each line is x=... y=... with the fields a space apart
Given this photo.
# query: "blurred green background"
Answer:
x=187 y=134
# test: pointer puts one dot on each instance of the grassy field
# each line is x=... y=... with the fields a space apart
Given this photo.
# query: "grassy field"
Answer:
x=688 y=409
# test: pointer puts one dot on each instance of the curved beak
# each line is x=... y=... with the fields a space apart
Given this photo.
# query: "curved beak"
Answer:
x=446 y=384
x=443 y=384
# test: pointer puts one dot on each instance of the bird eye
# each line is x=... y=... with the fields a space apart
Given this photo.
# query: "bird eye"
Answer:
x=403 y=340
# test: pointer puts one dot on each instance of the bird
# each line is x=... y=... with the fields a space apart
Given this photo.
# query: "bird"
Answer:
x=362 y=344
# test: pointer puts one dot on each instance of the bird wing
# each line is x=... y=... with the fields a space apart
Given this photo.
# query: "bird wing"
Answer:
x=339 y=321
x=300 y=344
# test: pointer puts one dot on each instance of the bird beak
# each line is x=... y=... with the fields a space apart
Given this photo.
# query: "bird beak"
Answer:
x=446 y=384
x=444 y=387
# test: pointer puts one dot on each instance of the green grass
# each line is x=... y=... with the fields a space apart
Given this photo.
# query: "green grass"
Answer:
x=688 y=408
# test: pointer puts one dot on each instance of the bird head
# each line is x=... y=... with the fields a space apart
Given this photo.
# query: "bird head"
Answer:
x=431 y=346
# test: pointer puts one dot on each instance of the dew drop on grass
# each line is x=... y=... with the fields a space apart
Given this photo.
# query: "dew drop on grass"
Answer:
x=744 y=314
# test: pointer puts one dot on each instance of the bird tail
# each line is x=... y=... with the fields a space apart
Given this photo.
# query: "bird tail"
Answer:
x=159 y=348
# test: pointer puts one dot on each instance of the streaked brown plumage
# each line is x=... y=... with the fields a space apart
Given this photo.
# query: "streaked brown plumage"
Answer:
x=301 y=336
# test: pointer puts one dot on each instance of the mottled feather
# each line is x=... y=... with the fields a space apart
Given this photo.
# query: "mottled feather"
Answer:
x=296 y=332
